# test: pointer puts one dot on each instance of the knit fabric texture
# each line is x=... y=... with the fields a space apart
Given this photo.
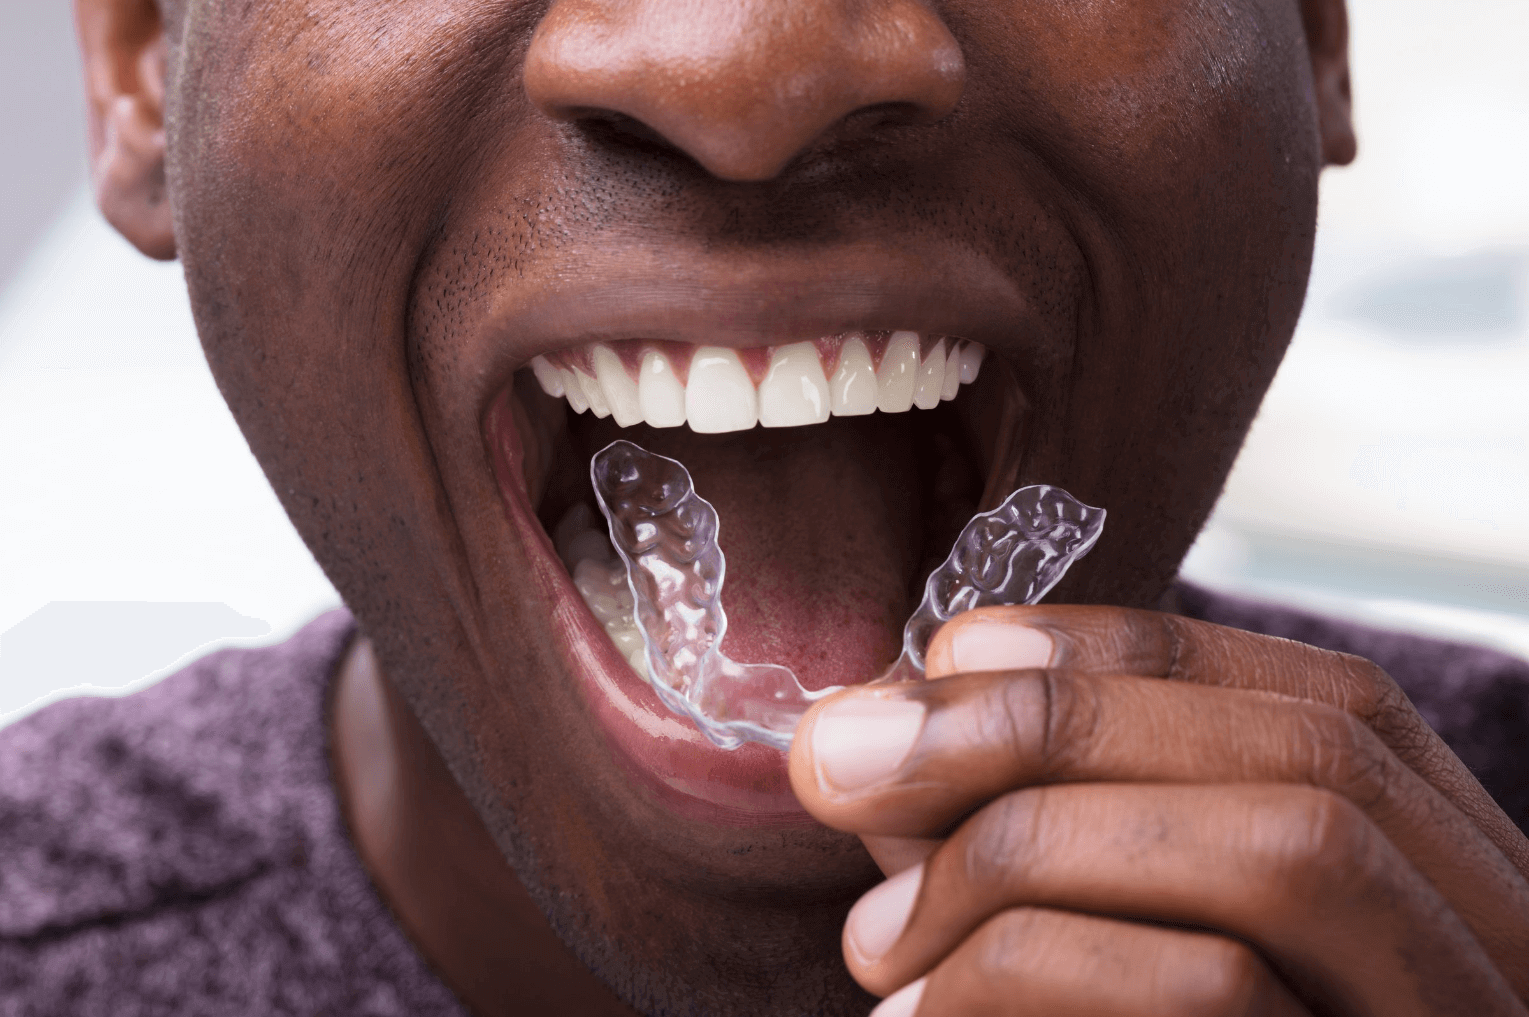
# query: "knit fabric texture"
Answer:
x=1477 y=699
x=182 y=850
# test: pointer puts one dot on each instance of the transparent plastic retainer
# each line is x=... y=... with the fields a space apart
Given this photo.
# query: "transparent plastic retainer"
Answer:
x=666 y=535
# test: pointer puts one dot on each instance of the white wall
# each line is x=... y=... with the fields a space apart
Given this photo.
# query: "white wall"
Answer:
x=1387 y=477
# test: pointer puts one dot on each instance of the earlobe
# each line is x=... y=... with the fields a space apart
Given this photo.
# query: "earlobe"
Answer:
x=1326 y=23
x=123 y=45
x=128 y=172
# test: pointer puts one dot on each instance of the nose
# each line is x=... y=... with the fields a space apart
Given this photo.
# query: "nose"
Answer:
x=743 y=86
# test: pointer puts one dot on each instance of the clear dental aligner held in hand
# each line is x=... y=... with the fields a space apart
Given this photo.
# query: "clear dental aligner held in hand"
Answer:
x=666 y=535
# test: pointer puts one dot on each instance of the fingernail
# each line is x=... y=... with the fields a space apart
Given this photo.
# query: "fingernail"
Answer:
x=903 y=1002
x=878 y=918
x=999 y=646
x=862 y=740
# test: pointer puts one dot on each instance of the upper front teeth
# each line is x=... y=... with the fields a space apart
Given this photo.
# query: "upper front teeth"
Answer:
x=794 y=392
x=719 y=394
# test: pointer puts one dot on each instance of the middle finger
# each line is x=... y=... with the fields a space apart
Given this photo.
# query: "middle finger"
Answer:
x=911 y=760
x=1296 y=872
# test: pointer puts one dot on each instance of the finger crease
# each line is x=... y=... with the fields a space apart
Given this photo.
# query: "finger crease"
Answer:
x=1175 y=649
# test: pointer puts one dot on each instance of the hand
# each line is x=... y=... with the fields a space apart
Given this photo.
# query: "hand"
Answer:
x=1273 y=829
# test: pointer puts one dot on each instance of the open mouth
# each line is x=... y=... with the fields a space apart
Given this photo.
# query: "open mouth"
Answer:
x=841 y=468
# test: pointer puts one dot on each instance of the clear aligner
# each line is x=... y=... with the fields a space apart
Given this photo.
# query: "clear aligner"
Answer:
x=666 y=535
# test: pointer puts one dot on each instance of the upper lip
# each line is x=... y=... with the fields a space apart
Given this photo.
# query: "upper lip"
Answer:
x=762 y=303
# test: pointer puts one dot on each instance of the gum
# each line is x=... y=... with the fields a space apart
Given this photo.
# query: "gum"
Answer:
x=666 y=535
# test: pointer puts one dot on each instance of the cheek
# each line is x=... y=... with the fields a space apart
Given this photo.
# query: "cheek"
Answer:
x=314 y=148
x=1186 y=133
x=328 y=136
x=1141 y=98
x=313 y=151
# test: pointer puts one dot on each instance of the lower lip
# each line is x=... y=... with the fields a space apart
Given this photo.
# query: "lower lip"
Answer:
x=664 y=754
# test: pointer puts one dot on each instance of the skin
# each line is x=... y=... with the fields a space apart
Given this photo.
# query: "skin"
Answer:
x=385 y=211
x=1314 y=845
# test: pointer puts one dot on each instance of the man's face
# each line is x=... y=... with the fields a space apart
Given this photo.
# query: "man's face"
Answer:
x=387 y=210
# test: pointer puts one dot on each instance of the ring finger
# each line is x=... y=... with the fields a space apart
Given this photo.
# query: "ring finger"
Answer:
x=1056 y=963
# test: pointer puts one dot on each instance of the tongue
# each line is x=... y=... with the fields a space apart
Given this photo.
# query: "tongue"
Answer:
x=823 y=529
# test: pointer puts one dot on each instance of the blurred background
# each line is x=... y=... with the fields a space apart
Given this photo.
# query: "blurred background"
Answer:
x=1386 y=480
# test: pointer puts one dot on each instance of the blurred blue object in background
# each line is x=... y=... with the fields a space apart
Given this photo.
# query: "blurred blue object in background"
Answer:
x=1462 y=299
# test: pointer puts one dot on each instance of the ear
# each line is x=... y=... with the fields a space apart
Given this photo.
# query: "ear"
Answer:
x=123 y=45
x=1326 y=24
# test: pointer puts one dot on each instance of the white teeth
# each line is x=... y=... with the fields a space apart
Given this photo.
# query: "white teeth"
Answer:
x=617 y=386
x=604 y=589
x=626 y=638
x=600 y=578
x=931 y=378
x=854 y=383
x=574 y=390
x=593 y=394
x=971 y=362
x=898 y=375
x=794 y=392
x=952 y=372
x=550 y=377
x=659 y=391
x=719 y=395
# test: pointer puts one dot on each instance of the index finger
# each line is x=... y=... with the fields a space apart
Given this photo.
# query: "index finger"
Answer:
x=1097 y=640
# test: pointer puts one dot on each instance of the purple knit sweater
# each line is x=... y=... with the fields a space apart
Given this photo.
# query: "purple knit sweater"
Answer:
x=181 y=851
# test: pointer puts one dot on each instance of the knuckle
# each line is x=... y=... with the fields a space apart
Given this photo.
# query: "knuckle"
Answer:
x=1003 y=840
x=1002 y=939
x=1070 y=716
x=1223 y=981
x=1367 y=689
x=1172 y=634
x=1387 y=711
x=1320 y=847
x=1006 y=719
x=1373 y=696
x=1043 y=720
x=1348 y=757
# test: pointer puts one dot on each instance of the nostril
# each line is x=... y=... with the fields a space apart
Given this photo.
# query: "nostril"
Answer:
x=625 y=126
x=741 y=87
x=892 y=115
x=620 y=130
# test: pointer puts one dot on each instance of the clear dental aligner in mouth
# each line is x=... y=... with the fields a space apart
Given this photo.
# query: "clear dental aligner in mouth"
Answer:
x=666 y=537
x=715 y=389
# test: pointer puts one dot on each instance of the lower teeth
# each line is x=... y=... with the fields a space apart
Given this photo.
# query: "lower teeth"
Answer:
x=658 y=591
x=601 y=580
